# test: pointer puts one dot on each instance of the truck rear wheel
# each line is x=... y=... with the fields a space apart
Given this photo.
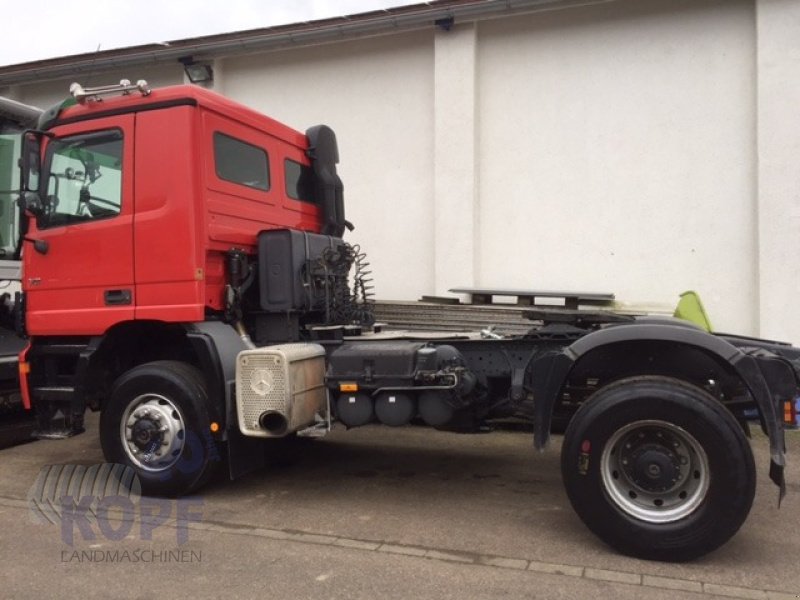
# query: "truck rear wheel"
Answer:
x=658 y=469
x=157 y=422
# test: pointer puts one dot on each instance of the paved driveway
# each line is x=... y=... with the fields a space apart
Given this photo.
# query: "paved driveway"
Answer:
x=373 y=513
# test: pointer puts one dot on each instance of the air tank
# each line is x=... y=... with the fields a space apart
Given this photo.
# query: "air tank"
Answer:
x=355 y=410
x=395 y=408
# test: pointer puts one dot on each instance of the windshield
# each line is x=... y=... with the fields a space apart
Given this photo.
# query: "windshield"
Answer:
x=84 y=179
x=10 y=142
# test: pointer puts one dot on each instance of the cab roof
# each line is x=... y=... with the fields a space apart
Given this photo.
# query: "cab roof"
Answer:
x=161 y=98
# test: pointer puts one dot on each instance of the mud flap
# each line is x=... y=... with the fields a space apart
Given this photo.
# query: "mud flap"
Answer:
x=757 y=368
x=545 y=376
x=244 y=454
x=218 y=344
x=776 y=474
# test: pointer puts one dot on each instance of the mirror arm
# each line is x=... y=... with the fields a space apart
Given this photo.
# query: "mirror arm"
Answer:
x=25 y=162
x=32 y=202
x=41 y=246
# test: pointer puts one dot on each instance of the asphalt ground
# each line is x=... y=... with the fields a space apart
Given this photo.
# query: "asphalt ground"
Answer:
x=377 y=513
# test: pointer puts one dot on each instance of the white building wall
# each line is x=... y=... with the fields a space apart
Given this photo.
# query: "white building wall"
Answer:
x=617 y=153
x=778 y=31
x=642 y=147
x=457 y=200
x=377 y=94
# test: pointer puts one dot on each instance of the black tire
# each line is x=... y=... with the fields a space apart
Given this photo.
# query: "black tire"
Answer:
x=658 y=469
x=173 y=453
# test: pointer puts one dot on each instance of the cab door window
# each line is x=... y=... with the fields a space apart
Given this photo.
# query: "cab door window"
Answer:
x=84 y=179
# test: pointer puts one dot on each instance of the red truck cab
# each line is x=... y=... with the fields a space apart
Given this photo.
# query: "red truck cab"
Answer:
x=144 y=196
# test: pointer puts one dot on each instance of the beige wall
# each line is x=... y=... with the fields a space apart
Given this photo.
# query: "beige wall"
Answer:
x=778 y=126
x=642 y=147
x=377 y=95
x=617 y=153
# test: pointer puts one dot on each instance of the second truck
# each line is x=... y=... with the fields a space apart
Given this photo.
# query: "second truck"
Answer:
x=185 y=274
x=15 y=117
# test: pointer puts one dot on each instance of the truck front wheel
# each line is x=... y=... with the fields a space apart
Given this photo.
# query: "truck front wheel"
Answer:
x=658 y=469
x=157 y=421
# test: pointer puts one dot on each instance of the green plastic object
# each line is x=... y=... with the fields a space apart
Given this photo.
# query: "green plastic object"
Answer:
x=690 y=308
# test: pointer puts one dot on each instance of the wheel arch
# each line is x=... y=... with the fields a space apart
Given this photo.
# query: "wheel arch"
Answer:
x=691 y=351
x=133 y=343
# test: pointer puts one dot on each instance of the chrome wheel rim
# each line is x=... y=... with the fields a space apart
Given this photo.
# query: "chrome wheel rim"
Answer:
x=655 y=471
x=152 y=432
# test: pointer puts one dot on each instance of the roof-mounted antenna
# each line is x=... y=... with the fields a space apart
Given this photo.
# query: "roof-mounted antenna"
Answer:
x=92 y=72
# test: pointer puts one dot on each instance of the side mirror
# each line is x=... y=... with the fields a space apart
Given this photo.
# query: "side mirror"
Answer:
x=30 y=163
x=324 y=154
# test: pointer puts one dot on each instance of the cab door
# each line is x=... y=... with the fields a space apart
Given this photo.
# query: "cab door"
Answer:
x=81 y=280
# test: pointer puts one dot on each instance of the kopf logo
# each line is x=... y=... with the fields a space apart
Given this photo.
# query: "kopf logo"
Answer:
x=105 y=501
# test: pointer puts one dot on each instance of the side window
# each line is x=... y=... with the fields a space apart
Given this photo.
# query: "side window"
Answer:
x=84 y=179
x=299 y=181
x=240 y=162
